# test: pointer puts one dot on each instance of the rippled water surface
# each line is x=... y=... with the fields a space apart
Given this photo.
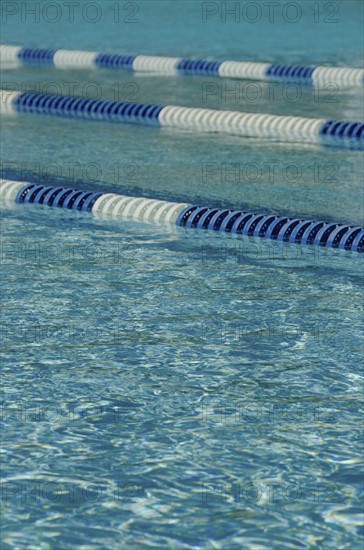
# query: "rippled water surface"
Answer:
x=167 y=388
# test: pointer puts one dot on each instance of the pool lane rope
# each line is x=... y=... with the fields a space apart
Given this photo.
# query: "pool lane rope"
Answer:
x=13 y=56
x=280 y=228
x=283 y=128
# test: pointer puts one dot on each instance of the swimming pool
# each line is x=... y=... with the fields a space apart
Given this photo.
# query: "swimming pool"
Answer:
x=171 y=388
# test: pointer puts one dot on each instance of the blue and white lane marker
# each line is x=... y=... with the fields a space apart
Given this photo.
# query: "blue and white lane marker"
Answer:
x=12 y=56
x=283 y=128
x=280 y=228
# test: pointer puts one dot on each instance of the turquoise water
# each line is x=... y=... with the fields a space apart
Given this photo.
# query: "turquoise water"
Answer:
x=165 y=388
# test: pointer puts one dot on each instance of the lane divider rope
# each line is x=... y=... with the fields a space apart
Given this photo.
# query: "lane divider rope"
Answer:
x=283 y=128
x=280 y=228
x=12 y=56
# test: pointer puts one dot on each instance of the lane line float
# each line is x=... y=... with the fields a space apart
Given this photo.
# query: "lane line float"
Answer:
x=283 y=128
x=267 y=226
x=13 y=56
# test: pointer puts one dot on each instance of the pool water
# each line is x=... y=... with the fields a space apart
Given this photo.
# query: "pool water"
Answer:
x=171 y=388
